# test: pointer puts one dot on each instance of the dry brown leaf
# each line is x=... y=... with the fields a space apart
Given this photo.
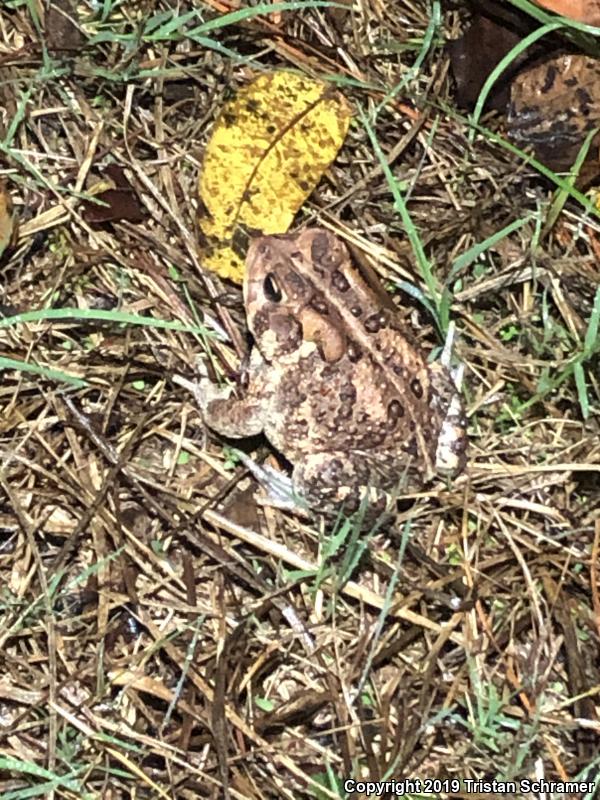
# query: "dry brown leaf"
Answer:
x=587 y=11
x=120 y=198
x=62 y=26
x=493 y=32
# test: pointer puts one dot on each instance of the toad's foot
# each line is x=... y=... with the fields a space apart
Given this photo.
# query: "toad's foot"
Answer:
x=278 y=486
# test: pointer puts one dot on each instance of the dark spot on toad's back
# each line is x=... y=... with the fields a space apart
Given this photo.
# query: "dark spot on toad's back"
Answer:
x=410 y=447
x=335 y=467
x=416 y=387
x=354 y=352
x=328 y=372
x=348 y=393
x=584 y=98
x=458 y=446
x=375 y=322
x=551 y=74
x=295 y=282
x=319 y=247
x=376 y=438
x=319 y=304
x=339 y=281
x=345 y=410
x=395 y=412
x=287 y=330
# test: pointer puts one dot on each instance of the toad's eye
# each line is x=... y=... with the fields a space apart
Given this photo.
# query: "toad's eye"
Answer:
x=271 y=289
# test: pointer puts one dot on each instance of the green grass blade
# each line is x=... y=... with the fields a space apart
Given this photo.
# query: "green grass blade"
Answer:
x=79 y=314
x=18 y=117
x=435 y=22
x=423 y=262
x=241 y=14
x=46 y=372
x=21 y=767
x=582 y=392
x=417 y=294
x=562 y=194
x=562 y=183
x=591 y=335
x=116 y=317
x=474 y=252
x=35 y=17
x=212 y=44
x=107 y=7
x=175 y=26
x=169 y=23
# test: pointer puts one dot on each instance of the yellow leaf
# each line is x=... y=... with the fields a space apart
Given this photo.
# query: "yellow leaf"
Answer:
x=270 y=146
x=8 y=229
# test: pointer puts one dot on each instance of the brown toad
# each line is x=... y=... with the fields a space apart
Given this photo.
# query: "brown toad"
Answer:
x=334 y=383
x=555 y=106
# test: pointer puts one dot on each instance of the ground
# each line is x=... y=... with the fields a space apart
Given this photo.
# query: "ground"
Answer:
x=161 y=633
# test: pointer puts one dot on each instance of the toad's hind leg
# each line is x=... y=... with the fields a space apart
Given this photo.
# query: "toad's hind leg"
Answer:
x=336 y=481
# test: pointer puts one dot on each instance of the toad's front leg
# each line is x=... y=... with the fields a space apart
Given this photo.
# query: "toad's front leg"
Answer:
x=227 y=414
